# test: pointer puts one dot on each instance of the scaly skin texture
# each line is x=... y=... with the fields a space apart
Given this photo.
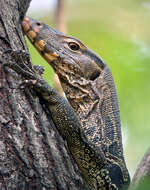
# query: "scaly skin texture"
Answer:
x=89 y=87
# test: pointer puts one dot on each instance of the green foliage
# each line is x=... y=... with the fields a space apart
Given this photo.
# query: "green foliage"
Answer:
x=144 y=184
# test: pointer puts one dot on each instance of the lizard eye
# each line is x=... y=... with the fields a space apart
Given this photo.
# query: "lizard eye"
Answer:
x=39 y=24
x=73 y=46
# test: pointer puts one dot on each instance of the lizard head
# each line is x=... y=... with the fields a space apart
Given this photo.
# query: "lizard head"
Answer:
x=68 y=56
x=79 y=69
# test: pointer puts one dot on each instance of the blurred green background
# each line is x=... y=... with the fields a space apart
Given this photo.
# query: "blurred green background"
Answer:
x=119 y=32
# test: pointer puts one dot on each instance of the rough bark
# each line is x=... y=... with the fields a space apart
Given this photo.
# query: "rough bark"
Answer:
x=32 y=153
x=142 y=174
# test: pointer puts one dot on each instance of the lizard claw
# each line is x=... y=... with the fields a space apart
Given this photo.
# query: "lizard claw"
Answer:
x=18 y=55
x=22 y=58
x=39 y=69
x=17 y=62
x=27 y=73
x=31 y=77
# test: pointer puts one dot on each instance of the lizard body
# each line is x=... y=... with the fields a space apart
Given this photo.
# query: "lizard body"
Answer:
x=89 y=87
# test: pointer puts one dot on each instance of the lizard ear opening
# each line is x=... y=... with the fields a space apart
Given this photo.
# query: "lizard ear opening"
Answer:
x=94 y=75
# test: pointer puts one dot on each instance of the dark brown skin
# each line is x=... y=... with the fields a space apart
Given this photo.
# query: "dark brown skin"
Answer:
x=89 y=87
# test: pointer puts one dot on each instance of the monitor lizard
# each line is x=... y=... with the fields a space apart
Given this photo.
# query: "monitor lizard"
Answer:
x=90 y=120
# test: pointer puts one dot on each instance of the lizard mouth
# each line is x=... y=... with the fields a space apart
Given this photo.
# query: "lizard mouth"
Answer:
x=26 y=24
x=31 y=29
x=28 y=29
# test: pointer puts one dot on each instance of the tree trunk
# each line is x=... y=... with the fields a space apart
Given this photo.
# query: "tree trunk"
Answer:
x=32 y=153
x=60 y=16
x=142 y=175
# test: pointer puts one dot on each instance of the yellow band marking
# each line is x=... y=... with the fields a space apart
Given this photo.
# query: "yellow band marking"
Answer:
x=31 y=35
x=26 y=27
x=49 y=57
x=40 y=45
x=55 y=54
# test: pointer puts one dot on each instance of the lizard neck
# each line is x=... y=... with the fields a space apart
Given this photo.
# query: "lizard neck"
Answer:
x=80 y=95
